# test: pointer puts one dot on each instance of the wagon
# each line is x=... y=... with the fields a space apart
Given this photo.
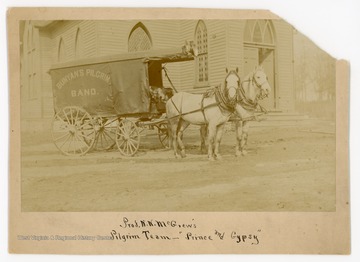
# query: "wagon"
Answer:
x=106 y=101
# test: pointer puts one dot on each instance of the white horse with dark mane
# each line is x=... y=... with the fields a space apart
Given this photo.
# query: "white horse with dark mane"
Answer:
x=255 y=87
x=214 y=109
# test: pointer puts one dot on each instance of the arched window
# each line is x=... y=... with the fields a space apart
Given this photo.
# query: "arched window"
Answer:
x=260 y=34
x=79 y=47
x=139 y=39
x=259 y=31
x=61 y=51
x=201 y=39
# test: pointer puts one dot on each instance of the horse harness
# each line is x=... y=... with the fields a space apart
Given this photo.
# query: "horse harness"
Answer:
x=202 y=109
x=224 y=102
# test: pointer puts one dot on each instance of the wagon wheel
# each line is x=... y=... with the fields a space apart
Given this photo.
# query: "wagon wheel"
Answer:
x=127 y=137
x=105 y=133
x=73 y=131
x=163 y=134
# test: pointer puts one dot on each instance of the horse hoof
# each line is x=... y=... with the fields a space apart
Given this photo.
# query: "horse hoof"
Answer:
x=182 y=153
x=211 y=158
x=237 y=153
x=244 y=153
x=177 y=156
x=219 y=157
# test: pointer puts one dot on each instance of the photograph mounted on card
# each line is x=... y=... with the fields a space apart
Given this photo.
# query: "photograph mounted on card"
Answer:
x=175 y=131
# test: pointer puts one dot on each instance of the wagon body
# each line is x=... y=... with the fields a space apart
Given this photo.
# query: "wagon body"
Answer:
x=112 y=85
x=95 y=98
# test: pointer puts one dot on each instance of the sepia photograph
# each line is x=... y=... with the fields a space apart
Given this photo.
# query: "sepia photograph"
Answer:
x=175 y=115
x=174 y=131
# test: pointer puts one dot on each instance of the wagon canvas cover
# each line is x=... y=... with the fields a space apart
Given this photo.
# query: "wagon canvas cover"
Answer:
x=116 y=84
x=105 y=88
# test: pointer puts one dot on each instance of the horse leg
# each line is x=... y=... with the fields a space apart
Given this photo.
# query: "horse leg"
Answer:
x=182 y=126
x=211 y=139
x=238 y=131
x=173 y=125
x=242 y=129
x=219 y=132
x=203 y=136
x=170 y=135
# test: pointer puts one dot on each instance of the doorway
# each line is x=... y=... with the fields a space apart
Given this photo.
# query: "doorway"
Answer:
x=259 y=49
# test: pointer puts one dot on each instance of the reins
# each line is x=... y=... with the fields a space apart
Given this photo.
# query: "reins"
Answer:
x=225 y=103
x=193 y=111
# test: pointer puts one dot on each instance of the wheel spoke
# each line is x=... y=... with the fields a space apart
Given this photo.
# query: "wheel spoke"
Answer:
x=62 y=120
x=84 y=124
x=71 y=114
x=112 y=131
x=75 y=144
x=111 y=138
x=67 y=139
x=132 y=129
x=127 y=148
x=134 y=140
x=82 y=141
x=73 y=132
x=77 y=114
x=61 y=137
x=107 y=123
x=122 y=142
x=131 y=144
x=122 y=129
x=127 y=137
x=66 y=117
x=82 y=118
x=71 y=140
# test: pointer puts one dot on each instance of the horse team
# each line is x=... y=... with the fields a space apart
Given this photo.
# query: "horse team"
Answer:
x=213 y=110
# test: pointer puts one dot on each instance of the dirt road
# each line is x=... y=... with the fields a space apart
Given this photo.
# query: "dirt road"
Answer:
x=288 y=168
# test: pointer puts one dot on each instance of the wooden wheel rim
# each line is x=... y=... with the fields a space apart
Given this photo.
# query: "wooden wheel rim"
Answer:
x=127 y=137
x=106 y=133
x=163 y=135
x=72 y=131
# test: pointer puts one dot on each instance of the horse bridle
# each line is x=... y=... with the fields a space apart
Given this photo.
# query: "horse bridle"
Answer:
x=259 y=96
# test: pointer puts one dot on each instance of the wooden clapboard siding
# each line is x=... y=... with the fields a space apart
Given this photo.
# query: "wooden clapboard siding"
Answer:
x=187 y=69
x=46 y=48
x=284 y=65
x=66 y=30
x=89 y=35
x=113 y=36
x=217 y=51
x=164 y=33
x=235 y=37
x=31 y=102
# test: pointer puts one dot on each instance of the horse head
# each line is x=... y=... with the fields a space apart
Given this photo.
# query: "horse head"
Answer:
x=255 y=85
x=232 y=83
x=260 y=79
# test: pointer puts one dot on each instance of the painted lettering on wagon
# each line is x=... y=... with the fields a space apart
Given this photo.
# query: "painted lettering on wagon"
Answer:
x=83 y=73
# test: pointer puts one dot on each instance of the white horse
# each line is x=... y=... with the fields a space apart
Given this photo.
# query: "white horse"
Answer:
x=213 y=110
x=254 y=88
